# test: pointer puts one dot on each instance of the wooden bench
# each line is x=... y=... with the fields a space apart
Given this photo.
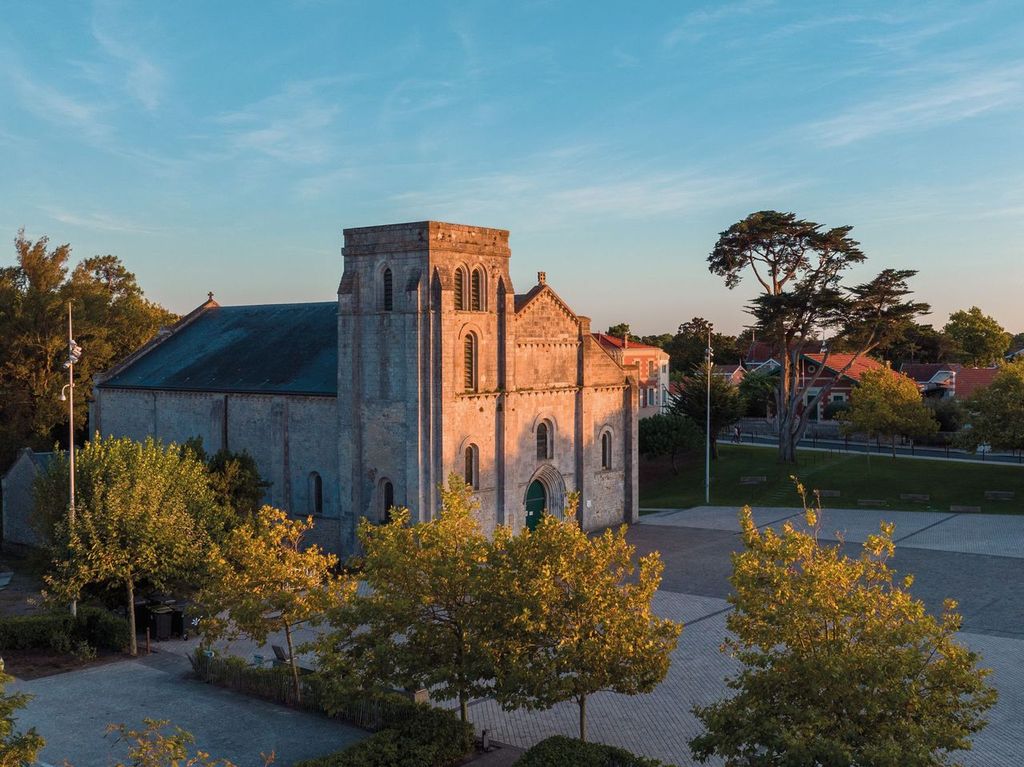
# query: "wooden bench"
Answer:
x=999 y=495
x=915 y=497
x=828 y=493
x=872 y=502
x=965 y=509
x=753 y=480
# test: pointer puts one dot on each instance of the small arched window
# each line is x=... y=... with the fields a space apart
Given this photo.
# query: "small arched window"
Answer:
x=389 y=291
x=472 y=468
x=460 y=289
x=469 y=363
x=316 y=494
x=543 y=440
x=606 y=450
x=476 y=290
x=387 y=500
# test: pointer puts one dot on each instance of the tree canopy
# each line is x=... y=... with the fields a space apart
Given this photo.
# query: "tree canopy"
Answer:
x=978 y=339
x=995 y=413
x=840 y=664
x=667 y=434
x=727 y=405
x=112 y=318
x=799 y=266
x=16 y=748
x=888 y=404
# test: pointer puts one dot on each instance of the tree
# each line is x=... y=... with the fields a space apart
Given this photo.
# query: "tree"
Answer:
x=979 y=340
x=667 y=434
x=840 y=664
x=16 y=748
x=143 y=512
x=758 y=392
x=112 y=318
x=799 y=267
x=421 y=625
x=263 y=580
x=915 y=342
x=687 y=348
x=150 y=747
x=948 y=412
x=888 y=404
x=621 y=330
x=572 y=620
x=234 y=478
x=727 y=406
x=996 y=412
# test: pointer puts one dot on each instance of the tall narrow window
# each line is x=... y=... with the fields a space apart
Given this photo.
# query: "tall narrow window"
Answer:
x=472 y=470
x=469 y=363
x=460 y=289
x=389 y=291
x=543 y=441
x=387 y=494
x=316 y=494
x=476 y=291
x=606 y=450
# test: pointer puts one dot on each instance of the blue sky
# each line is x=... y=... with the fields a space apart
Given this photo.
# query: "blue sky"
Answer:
x=224 y=146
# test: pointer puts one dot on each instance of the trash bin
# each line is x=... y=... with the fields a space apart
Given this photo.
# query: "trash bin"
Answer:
x=160 y=620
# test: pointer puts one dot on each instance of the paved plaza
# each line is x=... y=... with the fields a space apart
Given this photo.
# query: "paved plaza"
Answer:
x=973 y=558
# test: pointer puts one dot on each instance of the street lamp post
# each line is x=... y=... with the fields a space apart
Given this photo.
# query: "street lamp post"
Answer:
x=74 y=354
x=707 y=429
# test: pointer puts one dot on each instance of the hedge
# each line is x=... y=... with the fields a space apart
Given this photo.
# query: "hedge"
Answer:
x=58 y=631
x=569 y=752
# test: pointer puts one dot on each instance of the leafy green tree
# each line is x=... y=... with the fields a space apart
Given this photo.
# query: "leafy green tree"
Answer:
x=143 y=512
x=667 y=434
x=979 y=340
x=421 y=625
x=727 y=406
x=621 y=330
x=799 y=266
x=916 y=342
x=16 y=748
x=687 y=348
x=572 y=617
x=234 y=478
x=758 y=392
x=888 y=404
x=112 y=318
x=840 y=664
x=948 y=412
x=996 y=412
x=264 y=579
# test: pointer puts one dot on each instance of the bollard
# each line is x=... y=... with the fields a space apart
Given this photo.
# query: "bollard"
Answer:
x=149 y=649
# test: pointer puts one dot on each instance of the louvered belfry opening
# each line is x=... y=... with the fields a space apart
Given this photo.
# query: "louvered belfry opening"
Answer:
x=469 y=363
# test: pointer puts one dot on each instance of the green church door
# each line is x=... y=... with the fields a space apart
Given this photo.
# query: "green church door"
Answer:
x=536 y=501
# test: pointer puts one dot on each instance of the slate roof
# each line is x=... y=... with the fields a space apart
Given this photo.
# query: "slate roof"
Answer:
x=264 y=349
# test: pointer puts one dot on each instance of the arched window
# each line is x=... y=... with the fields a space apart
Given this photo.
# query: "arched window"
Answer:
x=387 y=499
x=472 y=473
x=460 y=289
x=469 y=363
x=316 y=494
x=476 y=290
x=389 y=291
x=543 y=440
x=606 y=450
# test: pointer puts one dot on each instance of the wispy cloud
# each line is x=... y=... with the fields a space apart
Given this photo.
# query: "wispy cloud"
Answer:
x=959 y=98
x=54 y=105
x=143 y=79
x=97 y=221
x=696 y=24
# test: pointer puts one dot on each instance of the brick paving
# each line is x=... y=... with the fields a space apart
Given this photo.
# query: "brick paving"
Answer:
x=971 y=557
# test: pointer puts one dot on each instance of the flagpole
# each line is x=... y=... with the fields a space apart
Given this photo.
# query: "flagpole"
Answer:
x=707 y=430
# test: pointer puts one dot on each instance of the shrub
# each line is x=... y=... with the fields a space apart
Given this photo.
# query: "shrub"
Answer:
x=63 y=633
x=569 y=752
x=428 y=737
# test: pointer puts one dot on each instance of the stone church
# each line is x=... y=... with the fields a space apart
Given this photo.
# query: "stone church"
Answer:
x=429 y=363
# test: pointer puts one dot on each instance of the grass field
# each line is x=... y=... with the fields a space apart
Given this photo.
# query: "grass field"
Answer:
x=946 y=482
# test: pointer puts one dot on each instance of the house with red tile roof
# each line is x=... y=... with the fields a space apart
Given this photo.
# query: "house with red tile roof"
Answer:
x=933 y=379
x=733 y=373
x=652 y=369
x=840 y=370
x=970 y=380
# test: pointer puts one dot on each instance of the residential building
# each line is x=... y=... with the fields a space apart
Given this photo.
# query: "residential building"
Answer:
x=651 y=365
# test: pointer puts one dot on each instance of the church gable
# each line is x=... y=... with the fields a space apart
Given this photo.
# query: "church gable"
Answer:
x=601 y=367
x=545 y=317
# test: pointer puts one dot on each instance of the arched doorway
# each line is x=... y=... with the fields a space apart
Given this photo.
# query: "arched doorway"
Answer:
x=536 y=502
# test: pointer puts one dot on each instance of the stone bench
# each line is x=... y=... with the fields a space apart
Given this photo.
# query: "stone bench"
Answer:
x=965 y=509
x=915 y=497
x=999 y=495
x=753 y=480
x=872 y=502
x=828 y=493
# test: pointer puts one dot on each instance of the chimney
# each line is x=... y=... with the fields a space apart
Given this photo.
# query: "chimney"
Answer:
x=542 y=278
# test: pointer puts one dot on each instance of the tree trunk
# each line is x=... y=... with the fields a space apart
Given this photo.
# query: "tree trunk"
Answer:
x=292 y=663
x=463 y=706
x=582 y=700
x=894 y=446
x=133 y=644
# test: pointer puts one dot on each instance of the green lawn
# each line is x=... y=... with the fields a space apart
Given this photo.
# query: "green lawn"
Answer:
x=946 y=482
